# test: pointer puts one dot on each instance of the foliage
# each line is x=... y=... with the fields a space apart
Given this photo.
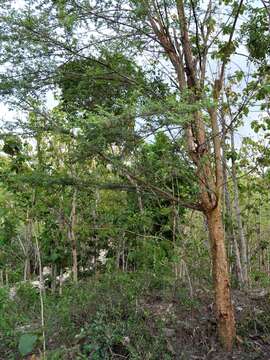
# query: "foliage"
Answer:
x=128 y=112
x=27 y=343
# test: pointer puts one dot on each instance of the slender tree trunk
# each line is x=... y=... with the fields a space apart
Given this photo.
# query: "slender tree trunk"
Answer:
x=54 y=273
x=123 y=255
x=26 y=253
x=41 y=295
x=176 y=230
x=118 y=255
x=27 y=247
x=26 y=269
x=74 y=256
x=242 y=238
x=231 y=235
x=6 y=276
x=61 y=282
x=95 y=236
x=72 y=237
x=229 y=230
x=1 y=278
x=259 y=241
x=224 y=309
x=174 y=223
x=139 y=196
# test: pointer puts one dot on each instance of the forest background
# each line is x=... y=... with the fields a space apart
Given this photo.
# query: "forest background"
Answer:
x=127 y=198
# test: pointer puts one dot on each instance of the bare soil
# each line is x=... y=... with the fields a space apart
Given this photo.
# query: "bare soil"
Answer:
x=190 y=331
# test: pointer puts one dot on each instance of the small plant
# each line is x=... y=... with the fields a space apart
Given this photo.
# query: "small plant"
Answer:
x=27 y=343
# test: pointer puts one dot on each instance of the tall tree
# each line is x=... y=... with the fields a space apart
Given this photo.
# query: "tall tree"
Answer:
x=180 y=36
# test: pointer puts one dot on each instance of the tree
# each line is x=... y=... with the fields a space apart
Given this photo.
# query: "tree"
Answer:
x=186 y=36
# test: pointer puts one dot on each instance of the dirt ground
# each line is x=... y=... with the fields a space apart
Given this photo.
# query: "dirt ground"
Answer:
x=191 y=333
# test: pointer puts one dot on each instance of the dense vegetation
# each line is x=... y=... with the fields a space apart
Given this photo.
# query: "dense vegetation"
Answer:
x=134 y=203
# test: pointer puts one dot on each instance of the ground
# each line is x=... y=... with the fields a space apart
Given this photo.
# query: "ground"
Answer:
x=192 y=334
x=128 y=316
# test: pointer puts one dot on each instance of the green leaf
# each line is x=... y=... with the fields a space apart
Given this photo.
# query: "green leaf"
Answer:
x=27 y=343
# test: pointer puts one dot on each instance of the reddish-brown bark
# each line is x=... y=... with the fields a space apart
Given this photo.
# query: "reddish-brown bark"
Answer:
x=223 y=304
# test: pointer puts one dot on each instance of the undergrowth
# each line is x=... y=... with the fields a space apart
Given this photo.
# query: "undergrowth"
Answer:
x=120 y=315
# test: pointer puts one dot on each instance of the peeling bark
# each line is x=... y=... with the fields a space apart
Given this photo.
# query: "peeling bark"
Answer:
x=223 y=305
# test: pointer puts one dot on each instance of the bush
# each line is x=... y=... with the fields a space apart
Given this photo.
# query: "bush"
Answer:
x=101 y=318
x=105 y=317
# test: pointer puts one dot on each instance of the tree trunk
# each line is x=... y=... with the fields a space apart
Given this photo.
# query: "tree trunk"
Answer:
x=61 y=282
x=139 y=197
x=229 y=230
x=54 y=274
x=231 y=235
x=74 y=259
x=41 y=294
x=27 y=247
x=72 y=238
x=201 y=147
x=224 y=308
x=95 y=236
x=6 y=273
x=26 y=272
x=1 y=278
x=242 y=238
